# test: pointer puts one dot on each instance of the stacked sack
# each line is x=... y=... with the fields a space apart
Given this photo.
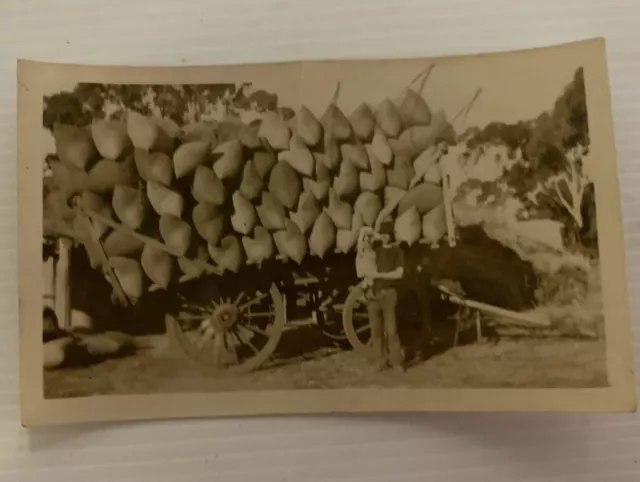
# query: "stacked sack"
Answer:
x=231 y=194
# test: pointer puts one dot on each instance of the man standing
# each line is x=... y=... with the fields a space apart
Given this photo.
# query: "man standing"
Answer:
x=380 y=263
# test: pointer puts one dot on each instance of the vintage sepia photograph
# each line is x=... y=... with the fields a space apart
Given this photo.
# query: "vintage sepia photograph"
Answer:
x=371 y=224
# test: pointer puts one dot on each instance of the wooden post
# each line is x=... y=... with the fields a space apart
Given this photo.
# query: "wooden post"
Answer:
x=49 y=281
x=446 y=197
x=62 y=285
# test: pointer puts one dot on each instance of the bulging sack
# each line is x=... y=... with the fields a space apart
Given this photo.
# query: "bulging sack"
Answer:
x=308 y=127
x=416 y=139
x=118 y=243
x=154 y=166
x=332 y=155
x=260 y=247
x=110 y=138
x=290 y=242
x=176 y=234
x=424 y=197
x=299 y=157
x=74 y=146
x=207 y=187
x=335 y=124
x=357 y=154
x=69 y=178
x=388 y=119
x=308 y=211
x=376 y=179
x=340 y=212
x=209 y=221
x=200 y=131
x=285 y=184
x=244 y=215
x=367 y=207
x=380 y=148
x=164 y=201
x=264 y=162
x=230 y=159
x=271 y=212
x=190 y=267
x=189 y=156
x=130 y=205
x=229 y=255
x=434 y=225
x=363 y=122
x=346 y=184
x=158 y=265
x=413 y=109
x=408 y=226
x=274 y=131
x=401 y=174
x=97 y=203
x=251 y=185
x=346 y=239
x=323 y=235
x=107 y=173
x=147 y=134
x=130 y=276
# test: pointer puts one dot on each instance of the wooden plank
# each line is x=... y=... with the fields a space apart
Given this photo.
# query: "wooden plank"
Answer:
x=62 y=287
x=513 y=317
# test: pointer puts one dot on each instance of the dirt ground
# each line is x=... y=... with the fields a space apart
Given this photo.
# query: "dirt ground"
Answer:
x=511 y=362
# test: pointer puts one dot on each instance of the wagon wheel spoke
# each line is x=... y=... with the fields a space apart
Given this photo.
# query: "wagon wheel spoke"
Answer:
x=261 y=314
x=256 y=330
x=252 y=302
x=247 y=342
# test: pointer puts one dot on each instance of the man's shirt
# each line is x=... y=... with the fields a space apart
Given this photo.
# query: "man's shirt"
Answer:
x=388 y=259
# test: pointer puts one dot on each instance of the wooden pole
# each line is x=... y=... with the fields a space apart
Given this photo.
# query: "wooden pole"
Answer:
x=49 y=280
x=62 y=285
x=448 y=208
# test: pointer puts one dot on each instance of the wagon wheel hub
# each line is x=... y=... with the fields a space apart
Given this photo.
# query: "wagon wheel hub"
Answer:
x=225 y=316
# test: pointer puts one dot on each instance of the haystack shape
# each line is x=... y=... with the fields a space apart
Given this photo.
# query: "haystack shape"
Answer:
x=209 y=221
x=271 y=212
x=229 y=159
x=207 y=187
x=189 y=156
x=74 y=146
x=229 y=255
x=290 y=242
x=165 y=201
x=363 y=122
x=274 y=131
x=308 y=127
x=176 y=233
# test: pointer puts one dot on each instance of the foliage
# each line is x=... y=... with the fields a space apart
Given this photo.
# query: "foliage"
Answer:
x=181 y=103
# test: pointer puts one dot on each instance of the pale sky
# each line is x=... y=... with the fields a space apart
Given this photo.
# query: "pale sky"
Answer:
x=514 y=86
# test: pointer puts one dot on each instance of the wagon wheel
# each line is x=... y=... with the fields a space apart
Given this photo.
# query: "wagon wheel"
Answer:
x=356 y=329
x=231 y=336
x=355 y=319
x=330 y=316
